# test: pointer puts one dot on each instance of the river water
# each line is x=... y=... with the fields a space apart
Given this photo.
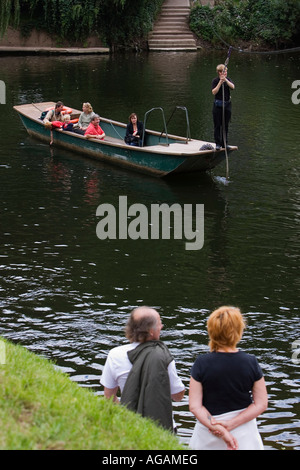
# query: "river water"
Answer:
x=66 y=294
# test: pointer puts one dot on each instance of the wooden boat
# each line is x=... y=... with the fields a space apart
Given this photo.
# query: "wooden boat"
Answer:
x=160 y=155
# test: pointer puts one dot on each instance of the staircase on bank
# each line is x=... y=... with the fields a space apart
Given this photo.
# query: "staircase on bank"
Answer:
x=171 y=31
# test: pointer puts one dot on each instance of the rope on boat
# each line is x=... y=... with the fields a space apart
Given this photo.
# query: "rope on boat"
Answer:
x=122 y=138
x=41 y=110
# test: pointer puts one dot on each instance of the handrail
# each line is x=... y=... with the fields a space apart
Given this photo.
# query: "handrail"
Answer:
x=145 y=119
x=188 y=132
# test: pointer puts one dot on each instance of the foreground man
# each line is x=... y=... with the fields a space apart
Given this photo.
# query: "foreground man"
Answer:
x=144 y=370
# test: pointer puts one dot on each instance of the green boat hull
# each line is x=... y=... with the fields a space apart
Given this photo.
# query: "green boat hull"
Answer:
x=156 y=157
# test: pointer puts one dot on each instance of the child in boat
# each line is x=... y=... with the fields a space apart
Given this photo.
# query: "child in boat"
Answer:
x=67 y=125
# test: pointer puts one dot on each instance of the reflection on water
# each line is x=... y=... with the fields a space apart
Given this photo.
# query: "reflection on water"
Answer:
x=66 y=295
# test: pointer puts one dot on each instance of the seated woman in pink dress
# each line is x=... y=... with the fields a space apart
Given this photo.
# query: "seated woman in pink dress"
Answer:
x=94 y=131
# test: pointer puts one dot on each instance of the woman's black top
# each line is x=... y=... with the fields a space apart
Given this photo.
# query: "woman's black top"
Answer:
x=129 y=132
x=227 y=380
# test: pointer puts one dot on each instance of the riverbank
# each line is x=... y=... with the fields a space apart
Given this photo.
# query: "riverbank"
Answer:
x=42 y=409
x=53 y=50
x=39 y=42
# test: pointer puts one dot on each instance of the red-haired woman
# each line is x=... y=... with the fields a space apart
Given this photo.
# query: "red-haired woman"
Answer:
x=227 y=388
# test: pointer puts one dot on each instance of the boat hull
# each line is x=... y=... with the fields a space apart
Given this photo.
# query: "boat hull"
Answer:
x=162 y=157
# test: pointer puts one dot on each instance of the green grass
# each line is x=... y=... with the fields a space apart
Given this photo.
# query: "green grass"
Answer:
x=41 y=408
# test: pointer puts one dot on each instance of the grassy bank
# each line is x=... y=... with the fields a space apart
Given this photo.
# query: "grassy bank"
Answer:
x=41 y=408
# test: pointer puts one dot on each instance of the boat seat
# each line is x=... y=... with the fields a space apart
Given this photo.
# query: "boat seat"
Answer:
x=114 y=140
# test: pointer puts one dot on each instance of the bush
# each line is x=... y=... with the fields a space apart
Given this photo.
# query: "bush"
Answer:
x=128 y=23
x=202 y=22
x=117 y=22
x=270 y=22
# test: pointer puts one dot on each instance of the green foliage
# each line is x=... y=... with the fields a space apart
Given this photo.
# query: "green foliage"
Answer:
x=128 y=23
x=70 y=19
x=117 y=22
x=123 y=23
x=9 y=14
x=269 y=22
x=201 y=22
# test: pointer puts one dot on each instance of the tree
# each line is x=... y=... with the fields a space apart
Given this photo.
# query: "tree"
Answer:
x=120 y=22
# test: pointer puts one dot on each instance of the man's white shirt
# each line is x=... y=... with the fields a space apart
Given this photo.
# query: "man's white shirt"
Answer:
x=118 y=366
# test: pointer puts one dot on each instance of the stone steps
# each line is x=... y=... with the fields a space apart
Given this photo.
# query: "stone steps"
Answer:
x=171 y=30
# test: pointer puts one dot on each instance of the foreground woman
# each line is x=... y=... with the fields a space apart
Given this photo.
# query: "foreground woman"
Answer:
x=227 y=389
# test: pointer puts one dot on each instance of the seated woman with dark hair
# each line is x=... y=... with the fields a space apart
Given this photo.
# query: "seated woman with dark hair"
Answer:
x=134 y=131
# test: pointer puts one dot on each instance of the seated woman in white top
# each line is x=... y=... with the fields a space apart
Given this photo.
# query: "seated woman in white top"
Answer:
x=85 y=118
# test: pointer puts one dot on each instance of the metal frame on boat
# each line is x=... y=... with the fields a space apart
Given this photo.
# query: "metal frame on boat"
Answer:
x=161 y=154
